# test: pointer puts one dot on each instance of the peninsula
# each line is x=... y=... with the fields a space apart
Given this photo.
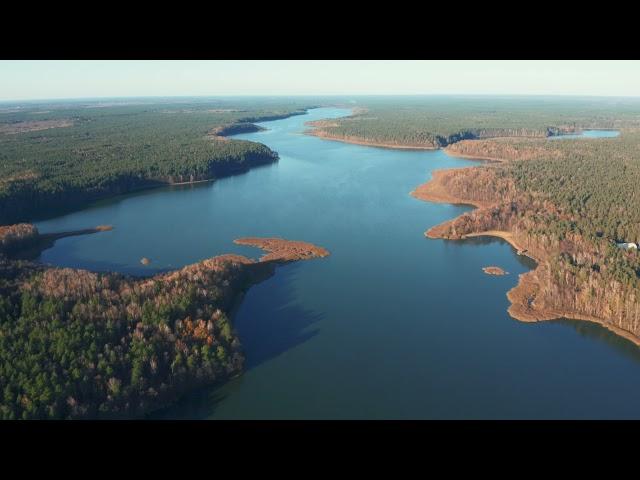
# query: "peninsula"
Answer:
x=64 y=157
x=110 y=346
x=581 y=273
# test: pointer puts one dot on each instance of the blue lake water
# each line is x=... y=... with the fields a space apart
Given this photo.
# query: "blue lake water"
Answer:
x=391 y=325
x=588 y=134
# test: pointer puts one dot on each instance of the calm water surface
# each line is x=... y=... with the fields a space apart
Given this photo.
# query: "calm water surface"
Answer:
x=392 y=325
x=588 y=134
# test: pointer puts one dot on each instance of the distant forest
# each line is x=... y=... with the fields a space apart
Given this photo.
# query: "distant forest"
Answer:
x=440 y=121
x=65 y=154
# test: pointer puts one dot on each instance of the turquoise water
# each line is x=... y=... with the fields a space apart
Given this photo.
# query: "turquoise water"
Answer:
x=392 y=325
x=589 y=134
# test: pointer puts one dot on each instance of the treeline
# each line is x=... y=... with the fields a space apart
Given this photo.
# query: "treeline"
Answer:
x=75 y=344
x=596 y=181
x=568 y=203
x=436 y=122
x=17 y=237
x=118 y=148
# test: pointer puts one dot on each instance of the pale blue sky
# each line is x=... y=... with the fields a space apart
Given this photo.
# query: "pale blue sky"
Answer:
x=23 y=80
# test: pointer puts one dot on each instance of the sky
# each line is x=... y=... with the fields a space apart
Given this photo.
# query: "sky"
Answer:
x=52 y=79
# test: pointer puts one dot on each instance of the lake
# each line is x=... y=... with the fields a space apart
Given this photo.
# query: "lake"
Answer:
x=391 y=325
x=588 y=134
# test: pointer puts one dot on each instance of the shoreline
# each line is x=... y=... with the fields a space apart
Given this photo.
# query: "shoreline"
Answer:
x=433 y=191
x=392 y=146
x=522 y=295
x=206 y=180
x=527 y=285
x=472 y=157
x=318 y=132
x=152 y=183
x=31 y=248
x=507 y=237
x=222 y=282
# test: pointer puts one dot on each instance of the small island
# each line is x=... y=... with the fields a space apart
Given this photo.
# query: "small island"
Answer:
x=494 y=271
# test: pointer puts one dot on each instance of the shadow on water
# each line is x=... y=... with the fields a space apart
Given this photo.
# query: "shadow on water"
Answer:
x=101 y=201
x=199 y=404
x=596 y=332
x=586 y=329
x=268 y=325
x=101 y=266
x=488 y=240
x=273 y=322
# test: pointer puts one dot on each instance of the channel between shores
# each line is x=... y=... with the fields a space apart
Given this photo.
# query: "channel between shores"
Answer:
x=528 y=284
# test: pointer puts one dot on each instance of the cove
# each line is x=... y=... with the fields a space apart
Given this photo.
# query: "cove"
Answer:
x=391 y=325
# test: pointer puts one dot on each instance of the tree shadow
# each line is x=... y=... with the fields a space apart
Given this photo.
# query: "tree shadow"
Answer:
x=104 y=266
x=484 y=240
x=597 y=332
x=198 y=404
x=269 y=322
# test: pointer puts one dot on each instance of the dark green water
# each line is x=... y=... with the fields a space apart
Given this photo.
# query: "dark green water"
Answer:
x=391 y=325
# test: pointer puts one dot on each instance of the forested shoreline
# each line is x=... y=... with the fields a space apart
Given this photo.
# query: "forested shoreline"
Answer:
x=567 y=205
x=78 y=344
x=432 y=122
x=68 y=156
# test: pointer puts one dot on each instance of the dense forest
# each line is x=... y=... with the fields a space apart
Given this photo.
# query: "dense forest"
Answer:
x=434 y=122
x=568 y=203
x=77 y=344
x=65 y=154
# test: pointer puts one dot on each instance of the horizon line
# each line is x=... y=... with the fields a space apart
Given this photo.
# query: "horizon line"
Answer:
x=326 y=95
